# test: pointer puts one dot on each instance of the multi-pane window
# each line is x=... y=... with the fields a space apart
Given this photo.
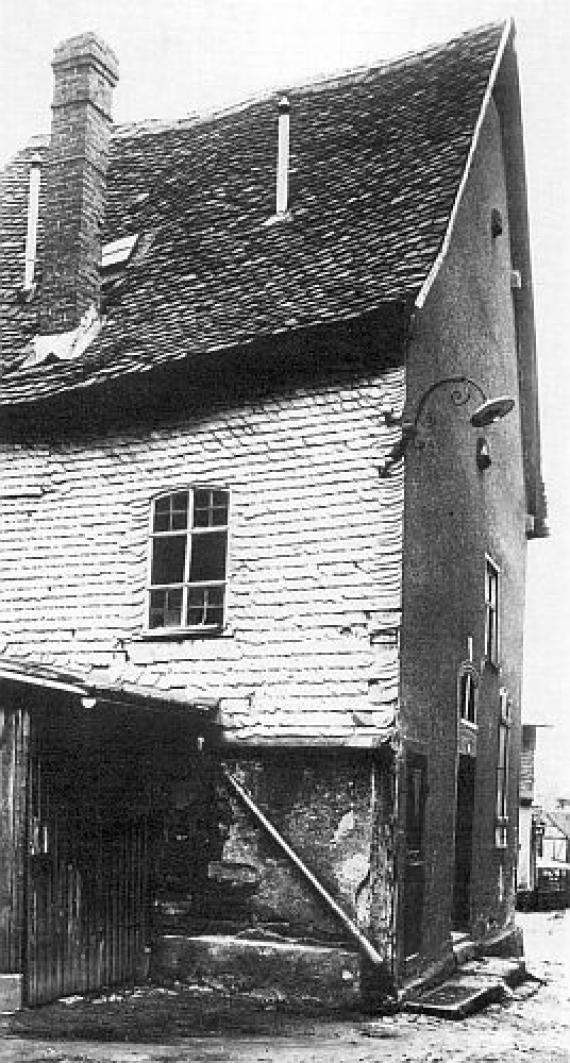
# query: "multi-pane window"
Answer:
x=502 y=818
x=491 y=612
x=188 y=559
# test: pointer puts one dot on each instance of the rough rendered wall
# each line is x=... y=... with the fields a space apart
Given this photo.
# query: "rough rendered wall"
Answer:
x=310 y=649
x=330 y=808
x=454 y=515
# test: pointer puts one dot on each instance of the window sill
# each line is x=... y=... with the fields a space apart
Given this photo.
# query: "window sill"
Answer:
x=470 y=724
x=174 y=634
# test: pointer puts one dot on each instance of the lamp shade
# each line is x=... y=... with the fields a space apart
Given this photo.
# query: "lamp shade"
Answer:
x=492 y=410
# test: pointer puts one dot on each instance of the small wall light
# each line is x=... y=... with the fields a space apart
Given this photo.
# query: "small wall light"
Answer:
x=483 y=456
x=489 y=411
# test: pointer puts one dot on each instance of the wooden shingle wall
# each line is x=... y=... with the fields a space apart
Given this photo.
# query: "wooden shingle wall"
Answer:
x=310 y=650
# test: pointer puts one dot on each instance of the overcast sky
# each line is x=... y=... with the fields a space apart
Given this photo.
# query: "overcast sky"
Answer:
x=182 y=56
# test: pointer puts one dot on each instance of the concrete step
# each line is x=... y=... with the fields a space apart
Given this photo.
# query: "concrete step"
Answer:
x=287 y=971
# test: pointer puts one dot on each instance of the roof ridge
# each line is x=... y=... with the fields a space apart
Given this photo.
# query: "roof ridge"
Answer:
x=317 y=83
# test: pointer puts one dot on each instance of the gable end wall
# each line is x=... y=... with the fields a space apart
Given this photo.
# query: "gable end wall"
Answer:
x=455 y=514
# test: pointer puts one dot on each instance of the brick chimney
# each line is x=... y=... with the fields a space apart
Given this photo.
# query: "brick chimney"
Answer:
x=85 y=74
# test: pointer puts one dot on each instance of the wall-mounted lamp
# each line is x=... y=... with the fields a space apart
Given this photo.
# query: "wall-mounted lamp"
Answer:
x=488 y=411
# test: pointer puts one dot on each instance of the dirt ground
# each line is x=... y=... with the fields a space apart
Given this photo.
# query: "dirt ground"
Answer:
x=153 y=1026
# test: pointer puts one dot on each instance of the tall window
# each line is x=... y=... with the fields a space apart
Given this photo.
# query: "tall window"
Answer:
x=502 y=817
x=188 y=559
x=491 y=612
x=468 y=696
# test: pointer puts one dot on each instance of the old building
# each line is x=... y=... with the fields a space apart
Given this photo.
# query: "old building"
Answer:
x=531 y=824
x=270 y=461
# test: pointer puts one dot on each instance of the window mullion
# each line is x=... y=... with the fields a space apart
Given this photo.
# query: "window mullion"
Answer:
x=188 y=558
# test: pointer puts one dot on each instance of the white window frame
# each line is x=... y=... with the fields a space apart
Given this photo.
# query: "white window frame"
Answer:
x=492 y=613
x=468 y=681
x=190 y=532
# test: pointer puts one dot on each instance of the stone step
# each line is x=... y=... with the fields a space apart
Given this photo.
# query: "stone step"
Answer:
x=476 y=984
x=282 y=970
x=510 y=971
x=458 y=997
x=464 y=949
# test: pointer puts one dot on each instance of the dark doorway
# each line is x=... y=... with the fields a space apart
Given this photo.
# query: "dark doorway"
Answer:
x=415 y=800
x=463 y=842
x=86 y=868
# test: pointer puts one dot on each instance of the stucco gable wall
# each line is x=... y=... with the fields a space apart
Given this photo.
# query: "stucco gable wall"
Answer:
x=310 y=651
x=455 y=514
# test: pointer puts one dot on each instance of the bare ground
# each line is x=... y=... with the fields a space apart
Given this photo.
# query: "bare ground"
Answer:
x=203 y=1024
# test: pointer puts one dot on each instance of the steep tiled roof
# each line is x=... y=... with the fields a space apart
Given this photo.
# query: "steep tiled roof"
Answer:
x=377 y=156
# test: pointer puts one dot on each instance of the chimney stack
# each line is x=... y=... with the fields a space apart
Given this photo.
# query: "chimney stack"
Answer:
x=85 y=74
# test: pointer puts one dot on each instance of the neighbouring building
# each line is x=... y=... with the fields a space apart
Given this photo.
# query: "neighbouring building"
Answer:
x=531 y=828
x=543 y=878
x=553 y=858
x=270 y=460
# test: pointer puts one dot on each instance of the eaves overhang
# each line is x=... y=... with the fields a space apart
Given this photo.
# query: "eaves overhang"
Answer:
x=202 y=712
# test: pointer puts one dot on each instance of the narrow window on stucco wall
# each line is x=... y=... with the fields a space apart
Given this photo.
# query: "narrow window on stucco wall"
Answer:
x=491 y=612
x=502 y=818
x=188 y=560
x=467 y=694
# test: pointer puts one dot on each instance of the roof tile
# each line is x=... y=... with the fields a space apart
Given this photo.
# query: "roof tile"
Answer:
x=376 y=159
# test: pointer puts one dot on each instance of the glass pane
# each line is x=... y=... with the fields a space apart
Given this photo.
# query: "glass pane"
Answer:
x=465 y=696
x=202 y=508
x=214 y=613
x=162 y=514
x=168 y=555
x=220 y=507
x=208 y=561
x=179 y=520
x=196 y=600
x=492 y=636
x=165 y=608
x=491 y=587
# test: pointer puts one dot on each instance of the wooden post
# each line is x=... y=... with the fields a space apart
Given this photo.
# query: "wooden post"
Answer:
x=14 y=737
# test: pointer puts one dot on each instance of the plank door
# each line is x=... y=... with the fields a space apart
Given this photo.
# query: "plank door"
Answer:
x=86 y=885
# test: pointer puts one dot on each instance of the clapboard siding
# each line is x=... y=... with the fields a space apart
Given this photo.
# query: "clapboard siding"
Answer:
x=310 y=650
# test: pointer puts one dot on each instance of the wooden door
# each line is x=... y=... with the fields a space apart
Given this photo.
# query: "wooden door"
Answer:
x=463 y=842
x=414 y=875
x=86 y=880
